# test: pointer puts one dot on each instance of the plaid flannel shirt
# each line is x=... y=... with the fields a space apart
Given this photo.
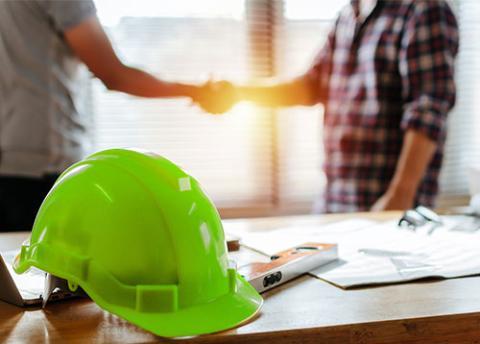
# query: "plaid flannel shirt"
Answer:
x=377 y=78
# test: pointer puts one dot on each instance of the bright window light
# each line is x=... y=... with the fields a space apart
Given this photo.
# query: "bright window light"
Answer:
x=110 y=11
x=313 y=9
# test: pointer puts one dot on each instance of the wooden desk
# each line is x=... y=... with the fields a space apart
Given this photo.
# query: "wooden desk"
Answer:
x=305 y=310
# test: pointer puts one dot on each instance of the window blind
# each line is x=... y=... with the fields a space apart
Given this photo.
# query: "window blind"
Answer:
x=463 y=140
x=230 y=155
x=300 y=150
x=248 y=158
x=253 y=158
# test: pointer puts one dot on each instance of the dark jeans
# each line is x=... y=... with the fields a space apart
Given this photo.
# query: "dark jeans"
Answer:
x=20 y=198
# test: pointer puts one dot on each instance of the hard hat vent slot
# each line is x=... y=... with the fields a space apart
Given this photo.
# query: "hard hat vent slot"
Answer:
x=157 y=298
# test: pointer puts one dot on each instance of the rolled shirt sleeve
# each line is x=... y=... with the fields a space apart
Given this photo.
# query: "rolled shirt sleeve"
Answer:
x=318 y=74
x=426 y=65
x=66 y=14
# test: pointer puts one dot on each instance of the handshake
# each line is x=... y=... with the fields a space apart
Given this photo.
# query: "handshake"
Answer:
x=216 y=97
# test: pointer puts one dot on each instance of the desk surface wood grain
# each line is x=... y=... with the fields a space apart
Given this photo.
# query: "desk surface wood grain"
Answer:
x=306 y=310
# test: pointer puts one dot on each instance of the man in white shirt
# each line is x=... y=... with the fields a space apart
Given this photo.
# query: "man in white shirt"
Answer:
x=42 y=44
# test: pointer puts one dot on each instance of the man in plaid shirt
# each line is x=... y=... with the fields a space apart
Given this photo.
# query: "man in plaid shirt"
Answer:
x=386 y=78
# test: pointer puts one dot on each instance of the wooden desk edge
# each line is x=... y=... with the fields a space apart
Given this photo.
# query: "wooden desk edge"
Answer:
x=454 y=328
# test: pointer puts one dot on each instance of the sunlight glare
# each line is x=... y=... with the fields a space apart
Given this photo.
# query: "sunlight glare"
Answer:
x=110 y=11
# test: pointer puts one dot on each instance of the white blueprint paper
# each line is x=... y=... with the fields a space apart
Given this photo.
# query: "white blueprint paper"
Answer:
x=372 y=253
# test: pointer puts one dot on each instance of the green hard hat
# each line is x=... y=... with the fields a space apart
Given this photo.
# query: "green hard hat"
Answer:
x=142 y=239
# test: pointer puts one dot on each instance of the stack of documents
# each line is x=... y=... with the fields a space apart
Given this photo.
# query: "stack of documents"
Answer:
x=378 y=253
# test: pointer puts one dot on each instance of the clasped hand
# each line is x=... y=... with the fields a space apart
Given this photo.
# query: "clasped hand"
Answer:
x=216 y=97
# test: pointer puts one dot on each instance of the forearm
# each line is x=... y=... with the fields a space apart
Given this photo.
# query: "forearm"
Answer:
x=139 y=83
x=417 y=152
x=296 y=92
x=91 y=45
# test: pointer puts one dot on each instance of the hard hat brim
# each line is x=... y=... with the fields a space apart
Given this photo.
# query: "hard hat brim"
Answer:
x=226 y=312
